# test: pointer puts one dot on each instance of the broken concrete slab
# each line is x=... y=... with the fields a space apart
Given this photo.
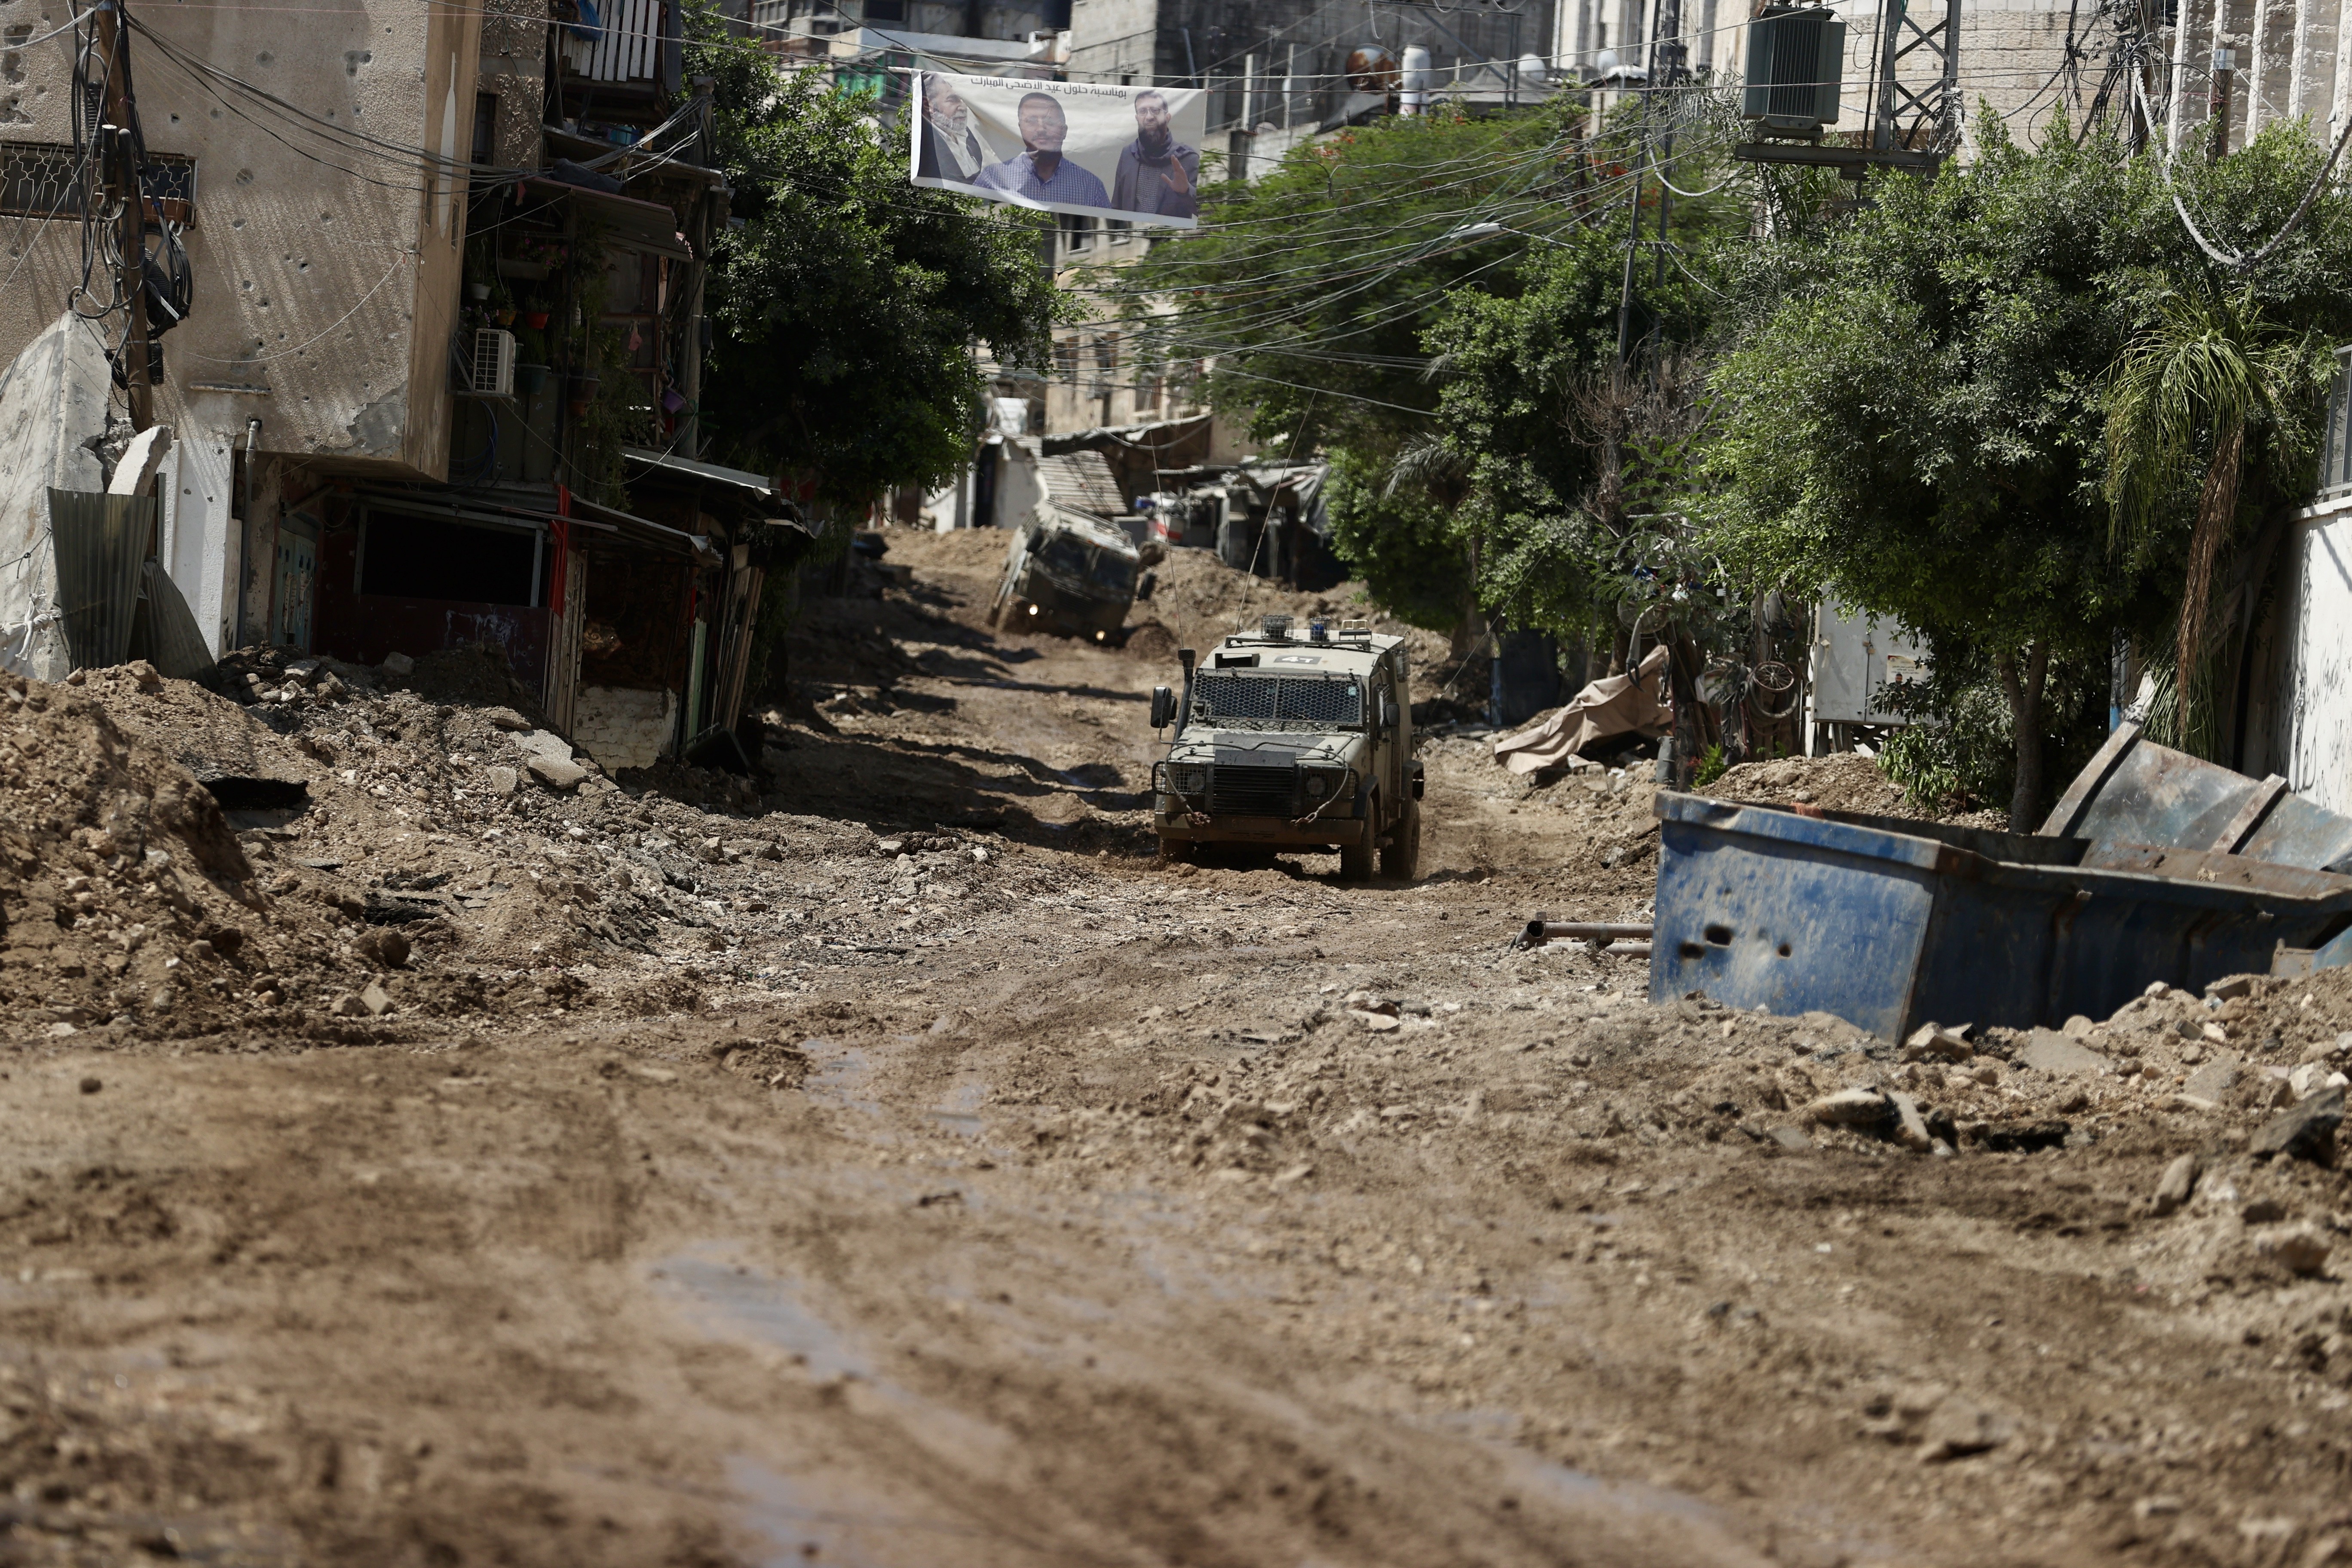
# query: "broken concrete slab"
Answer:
x=2215 y=1078
x=556 y=773
x=2052 y=1052
x=134 y=471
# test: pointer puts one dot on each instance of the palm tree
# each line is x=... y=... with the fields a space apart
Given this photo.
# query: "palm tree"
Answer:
x=2205 y=369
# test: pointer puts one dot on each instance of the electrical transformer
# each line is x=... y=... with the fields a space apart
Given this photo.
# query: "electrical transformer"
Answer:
x=1796 y=63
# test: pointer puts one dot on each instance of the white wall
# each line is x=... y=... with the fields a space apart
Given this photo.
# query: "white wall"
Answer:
x=2309 y=731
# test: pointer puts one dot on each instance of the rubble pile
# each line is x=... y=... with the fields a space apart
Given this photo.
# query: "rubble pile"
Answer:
x=506 y=871
x=126 y=899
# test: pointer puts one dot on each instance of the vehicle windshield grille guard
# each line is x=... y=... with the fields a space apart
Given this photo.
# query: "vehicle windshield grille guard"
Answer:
x=1333 y=701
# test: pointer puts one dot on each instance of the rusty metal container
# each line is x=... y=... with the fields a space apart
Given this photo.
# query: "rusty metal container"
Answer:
x=2137 y=792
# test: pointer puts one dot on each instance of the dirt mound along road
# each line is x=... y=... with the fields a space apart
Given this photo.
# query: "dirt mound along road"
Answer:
x=988 y=1195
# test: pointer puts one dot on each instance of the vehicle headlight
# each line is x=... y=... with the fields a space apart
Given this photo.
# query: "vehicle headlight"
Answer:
x=1322 y=783
x=1188 y=778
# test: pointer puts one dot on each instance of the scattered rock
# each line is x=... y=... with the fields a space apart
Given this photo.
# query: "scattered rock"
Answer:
x=1851 y=1108
x=377 y=1000
x=2180 y=1180
x=1957 y=1428
x=2299 y=1249
x=398 y=663
x=2304 y=1132
x=383 y=945
x=2233 y=988
x=2263 y=1211
x=346 y=1007
x=62 y=1030
x=506 y=719
x=91 y=1086
x=501 y=779
x=1792 y=1139
x=1910 y=1127
x=1933 y=1041
x=653 y=1075
x=1378 y=1023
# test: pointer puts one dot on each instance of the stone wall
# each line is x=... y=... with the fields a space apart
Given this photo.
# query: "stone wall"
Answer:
x=624 y=727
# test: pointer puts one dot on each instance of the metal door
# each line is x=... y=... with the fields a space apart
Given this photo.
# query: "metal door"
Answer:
x=298 y=573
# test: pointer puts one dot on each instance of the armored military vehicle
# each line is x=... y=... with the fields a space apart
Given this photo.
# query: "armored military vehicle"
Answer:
x=1068 y=572
x=1293 y=739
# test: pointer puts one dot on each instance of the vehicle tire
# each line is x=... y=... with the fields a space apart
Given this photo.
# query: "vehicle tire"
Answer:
x=1400 y=861
x=1357 y=860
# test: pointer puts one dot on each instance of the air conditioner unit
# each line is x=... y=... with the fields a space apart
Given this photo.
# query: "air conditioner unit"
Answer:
x=494 y=362
x=1796 y=63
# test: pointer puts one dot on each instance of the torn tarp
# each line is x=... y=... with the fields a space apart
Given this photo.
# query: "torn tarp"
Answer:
x=1613 y=705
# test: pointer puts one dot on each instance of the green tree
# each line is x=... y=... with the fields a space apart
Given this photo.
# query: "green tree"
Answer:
x=848 y=301
x=1308 y=288
x=1915 y=424
x=2197 y=377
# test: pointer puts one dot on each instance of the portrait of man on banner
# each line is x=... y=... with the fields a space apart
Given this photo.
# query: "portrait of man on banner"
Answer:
x=1157 y=174
x=1039 y=171
x=1124 y=152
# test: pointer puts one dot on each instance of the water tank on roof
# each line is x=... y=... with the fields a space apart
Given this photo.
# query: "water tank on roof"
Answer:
x=1796 y=63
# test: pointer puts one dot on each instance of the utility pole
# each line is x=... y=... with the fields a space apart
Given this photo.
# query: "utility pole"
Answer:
x=1633 y=244
x=1667 y=71
x=2225 y=66
x=122 y=183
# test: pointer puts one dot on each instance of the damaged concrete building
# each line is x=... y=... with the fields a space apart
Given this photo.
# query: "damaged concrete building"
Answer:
x=441 y=276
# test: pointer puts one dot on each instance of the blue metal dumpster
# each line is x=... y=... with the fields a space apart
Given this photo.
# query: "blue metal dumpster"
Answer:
x=1888 y=922
x=2137 y=792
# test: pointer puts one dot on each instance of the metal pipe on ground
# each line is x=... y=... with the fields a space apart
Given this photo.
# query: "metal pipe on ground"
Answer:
x=1595 y=934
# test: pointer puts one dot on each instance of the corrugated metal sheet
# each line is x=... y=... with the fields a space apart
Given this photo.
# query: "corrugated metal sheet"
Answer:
x=630 y=49
x=102 y=550
x=175 y=642
x=1084 y=480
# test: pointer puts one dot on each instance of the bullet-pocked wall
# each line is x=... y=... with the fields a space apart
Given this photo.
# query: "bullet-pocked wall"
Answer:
x=327 y=247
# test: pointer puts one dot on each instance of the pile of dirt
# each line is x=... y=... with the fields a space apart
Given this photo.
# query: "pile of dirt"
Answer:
x=1197 y=600
x=125 y=897
x=1844 y=781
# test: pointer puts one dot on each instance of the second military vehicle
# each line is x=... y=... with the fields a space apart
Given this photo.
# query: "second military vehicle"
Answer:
x=1293 y=739
x=1068 y=572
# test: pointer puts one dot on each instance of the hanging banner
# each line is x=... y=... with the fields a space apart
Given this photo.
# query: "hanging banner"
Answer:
x=1128 y=153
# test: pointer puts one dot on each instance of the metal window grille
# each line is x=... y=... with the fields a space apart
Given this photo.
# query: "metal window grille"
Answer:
x=1306 y=700
x=2336 y=461
x=41 y=179
x=168 y=182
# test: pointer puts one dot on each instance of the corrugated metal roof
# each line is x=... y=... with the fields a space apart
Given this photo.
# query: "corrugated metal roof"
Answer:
x=1082 y=479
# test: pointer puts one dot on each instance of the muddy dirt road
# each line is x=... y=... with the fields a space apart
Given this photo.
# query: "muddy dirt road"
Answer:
x=950 y=1184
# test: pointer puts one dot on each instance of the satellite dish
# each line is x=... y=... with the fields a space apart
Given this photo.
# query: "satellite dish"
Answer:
x=1533 y=72
x=1605 y=61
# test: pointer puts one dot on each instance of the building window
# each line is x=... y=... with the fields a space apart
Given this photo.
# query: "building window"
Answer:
x=1106 y=354
x=485 y=127
x=2335 y=458
x=1121 y=231
x=1066 y=359
x=1077 y=233
x=892 y=11
x=1147 y=389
